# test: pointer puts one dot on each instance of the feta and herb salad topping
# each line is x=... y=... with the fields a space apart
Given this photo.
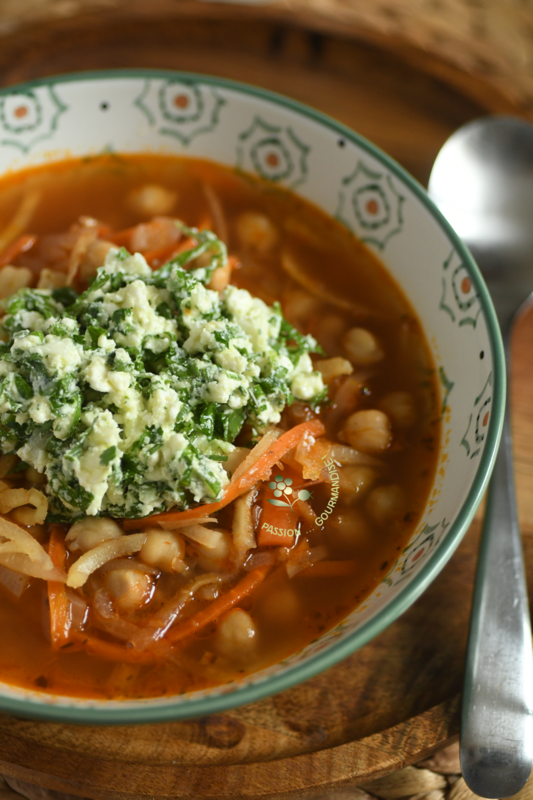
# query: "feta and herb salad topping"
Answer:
x=129 y=396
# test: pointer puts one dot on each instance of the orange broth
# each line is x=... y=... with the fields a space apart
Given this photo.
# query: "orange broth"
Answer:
x=289 y=612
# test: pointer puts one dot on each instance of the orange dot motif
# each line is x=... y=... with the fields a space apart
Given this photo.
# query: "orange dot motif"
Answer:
x=181 y=101
x=466 y=285
x=20 y=112
x=372 y=207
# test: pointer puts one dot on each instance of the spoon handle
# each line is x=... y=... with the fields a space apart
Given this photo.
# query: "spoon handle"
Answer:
x=497 y=710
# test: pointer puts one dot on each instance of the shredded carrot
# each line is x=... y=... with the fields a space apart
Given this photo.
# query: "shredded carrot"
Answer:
x=126 y=653
x=57 y=593
x=257 y=472
x=122 y=238
x=206 y=223
x=328 y=569
x=160 y=255
x=219 y=606
x=111 y=651
x=15 y=248
x=186 y=244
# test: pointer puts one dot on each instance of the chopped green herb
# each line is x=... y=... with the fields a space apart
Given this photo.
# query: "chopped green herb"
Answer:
x=129 y=396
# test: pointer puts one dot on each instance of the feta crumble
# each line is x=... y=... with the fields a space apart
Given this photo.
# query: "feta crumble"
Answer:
x=129 y=396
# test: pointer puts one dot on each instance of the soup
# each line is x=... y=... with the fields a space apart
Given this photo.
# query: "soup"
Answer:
x=219 y=425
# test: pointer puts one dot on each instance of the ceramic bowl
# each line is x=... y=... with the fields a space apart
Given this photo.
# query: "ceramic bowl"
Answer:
x=349 y=178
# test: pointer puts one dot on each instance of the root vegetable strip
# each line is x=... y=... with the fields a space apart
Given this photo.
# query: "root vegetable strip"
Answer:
x=258 y=472
x=100 y=555
x=158 y=625
x=60 y=617
x=20 y=245
x=22 y=553
x=219 y=606
x=21 y=220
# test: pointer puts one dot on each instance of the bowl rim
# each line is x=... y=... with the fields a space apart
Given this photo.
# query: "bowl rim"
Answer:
x=150 y=710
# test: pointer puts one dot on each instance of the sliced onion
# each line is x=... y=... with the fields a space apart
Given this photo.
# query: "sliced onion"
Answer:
x=304 y=559
x=22 y=218
x=220 y=227
x=13 y=582
x=311 y=453
x=255 y=454
x=345 y=455
x=202 y=536
x=15 y=498
x=243 y=523
x=261 y=559
x=101 y=554
x=176 y=525
x=78 y=609
x=19 y=562
x=107 y=619
x=128 y=563
x=170 y=611
x=314 y=286
x=22 y=553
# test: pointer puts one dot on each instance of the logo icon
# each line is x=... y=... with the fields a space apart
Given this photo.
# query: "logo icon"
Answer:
x=283 y=489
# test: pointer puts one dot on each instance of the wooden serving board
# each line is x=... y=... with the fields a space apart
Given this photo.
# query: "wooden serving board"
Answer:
x=396 y=700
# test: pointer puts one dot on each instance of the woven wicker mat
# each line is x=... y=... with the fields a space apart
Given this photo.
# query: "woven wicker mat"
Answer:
x=438 y=778
x=491 y=40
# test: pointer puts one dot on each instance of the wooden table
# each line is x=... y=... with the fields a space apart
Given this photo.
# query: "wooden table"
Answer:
x=397 y=699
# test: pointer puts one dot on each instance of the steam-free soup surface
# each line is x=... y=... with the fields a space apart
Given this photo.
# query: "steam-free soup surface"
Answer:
x=349 y=491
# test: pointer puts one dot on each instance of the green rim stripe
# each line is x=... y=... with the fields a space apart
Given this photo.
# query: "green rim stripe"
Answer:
x=184 y=708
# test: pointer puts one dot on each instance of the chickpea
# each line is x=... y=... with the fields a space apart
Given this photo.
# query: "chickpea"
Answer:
x=331 y=368
x=400 y=407
x=12 y=279
x=236 y=633
x=385 y=503
x=214 y=558
x=368 y=430
x=151 y=200
x=362 y=347
x=90 y=532
x=220 y=278
x=129 y=588
x=256 y=231
x=163 y=549
x=355 y=481
x=349 y=527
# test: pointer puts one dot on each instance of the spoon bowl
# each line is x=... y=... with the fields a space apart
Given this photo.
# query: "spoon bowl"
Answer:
x=482 y=181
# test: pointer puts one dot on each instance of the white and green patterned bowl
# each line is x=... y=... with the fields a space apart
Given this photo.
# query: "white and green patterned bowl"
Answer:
x=296 y=147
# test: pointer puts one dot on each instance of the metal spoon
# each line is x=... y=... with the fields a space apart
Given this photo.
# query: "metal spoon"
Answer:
x=482 y=181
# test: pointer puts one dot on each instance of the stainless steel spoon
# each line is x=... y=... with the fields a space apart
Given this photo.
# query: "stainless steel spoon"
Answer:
x=482 y=181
